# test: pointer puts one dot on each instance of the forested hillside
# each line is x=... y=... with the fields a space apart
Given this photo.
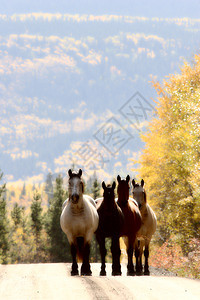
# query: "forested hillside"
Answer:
x=63 y=76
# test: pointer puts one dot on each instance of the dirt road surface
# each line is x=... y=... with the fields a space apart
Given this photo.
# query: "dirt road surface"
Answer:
x=53 y=281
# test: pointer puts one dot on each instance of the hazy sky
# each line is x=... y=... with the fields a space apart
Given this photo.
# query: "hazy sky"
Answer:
x=150 y=8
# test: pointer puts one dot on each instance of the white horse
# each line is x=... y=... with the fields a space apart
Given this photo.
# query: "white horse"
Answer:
x=79 y=220
x=147 y=229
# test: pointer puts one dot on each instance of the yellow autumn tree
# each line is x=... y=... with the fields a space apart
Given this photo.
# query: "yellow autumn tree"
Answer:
x=170 y=162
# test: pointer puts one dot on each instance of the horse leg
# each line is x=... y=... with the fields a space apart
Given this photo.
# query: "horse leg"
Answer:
x=102 y=248
x=141 y=247
x=137 y=257
x=85 y=268
x=146 y=255
x=130 y=267
x=74 y=270
x=116 y=252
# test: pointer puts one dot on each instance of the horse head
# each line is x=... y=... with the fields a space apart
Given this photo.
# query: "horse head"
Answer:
x=109 y=193
x=139 y=193
x=75 y=187
x=123 y=189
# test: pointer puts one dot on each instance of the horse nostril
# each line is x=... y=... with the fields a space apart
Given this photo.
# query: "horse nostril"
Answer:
x=75 y=198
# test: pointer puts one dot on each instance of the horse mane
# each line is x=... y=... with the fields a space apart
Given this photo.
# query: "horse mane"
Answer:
x=82 y=183
x=109 y=185
x=136 y=185
x=145 y=196
x=74 y=175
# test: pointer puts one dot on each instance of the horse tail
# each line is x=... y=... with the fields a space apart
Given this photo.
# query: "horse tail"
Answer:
x=80 y=247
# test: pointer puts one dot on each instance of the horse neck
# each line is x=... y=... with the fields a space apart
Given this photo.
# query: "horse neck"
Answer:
x=143 y=209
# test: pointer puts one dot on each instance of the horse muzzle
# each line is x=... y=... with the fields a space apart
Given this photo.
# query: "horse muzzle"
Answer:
x=75 y=198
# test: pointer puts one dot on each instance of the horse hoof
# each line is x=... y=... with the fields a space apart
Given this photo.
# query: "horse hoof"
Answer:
x=74 y=273
x=119 y=273
x=130 y=273
x=146 y=273
x=102 y=273
x=86 y=273
x=139 y=273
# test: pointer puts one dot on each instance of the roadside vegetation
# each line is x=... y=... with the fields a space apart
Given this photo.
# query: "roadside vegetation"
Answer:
x=170 y=165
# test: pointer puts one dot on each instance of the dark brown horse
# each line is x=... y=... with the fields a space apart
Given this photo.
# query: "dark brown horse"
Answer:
x=132 y=220
x=110 y=225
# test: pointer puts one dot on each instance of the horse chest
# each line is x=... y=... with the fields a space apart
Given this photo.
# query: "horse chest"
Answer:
x=145 y=230
x=144 y=216
x=79 y=226
x=79 y=219
x=76 y=220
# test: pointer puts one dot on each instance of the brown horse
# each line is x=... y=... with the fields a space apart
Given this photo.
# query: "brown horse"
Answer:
x=147 y=229
x=79 y=220
x=110 y=225
x=132 y=220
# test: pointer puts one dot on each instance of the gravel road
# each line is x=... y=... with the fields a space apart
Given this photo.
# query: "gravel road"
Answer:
x=53 y=281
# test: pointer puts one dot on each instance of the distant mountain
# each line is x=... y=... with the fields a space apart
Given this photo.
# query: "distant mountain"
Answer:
x=73 y=88
x=151 y=8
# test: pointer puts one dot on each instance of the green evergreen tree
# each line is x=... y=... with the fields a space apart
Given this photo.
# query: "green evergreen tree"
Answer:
x=4 y=242
x=59 y=246
x=17 y=214
x=36 y=216
x=37 y=228
x=96 y=187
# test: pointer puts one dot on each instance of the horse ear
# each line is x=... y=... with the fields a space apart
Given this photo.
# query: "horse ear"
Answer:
x=118 y=178
x=80 y=173
x=127 y=178
x=142 y=182
x=113 y=185
x=103 y=185
x=133 y=182
x=70 y=173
